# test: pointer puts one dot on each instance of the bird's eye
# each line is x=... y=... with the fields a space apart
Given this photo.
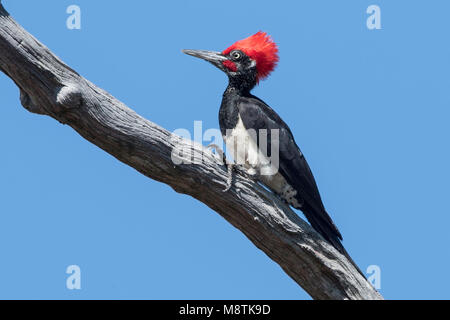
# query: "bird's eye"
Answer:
x=236 y=55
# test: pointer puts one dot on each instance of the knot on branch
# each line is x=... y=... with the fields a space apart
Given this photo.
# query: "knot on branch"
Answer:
x=28 y=103
x=69 y=96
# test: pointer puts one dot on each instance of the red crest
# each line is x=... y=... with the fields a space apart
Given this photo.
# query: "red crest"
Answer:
x=260 y=48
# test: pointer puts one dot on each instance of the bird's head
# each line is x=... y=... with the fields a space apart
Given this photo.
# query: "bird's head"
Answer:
x=246 y=62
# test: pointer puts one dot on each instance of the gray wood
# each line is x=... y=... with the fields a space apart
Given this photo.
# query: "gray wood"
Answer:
x=49 y=87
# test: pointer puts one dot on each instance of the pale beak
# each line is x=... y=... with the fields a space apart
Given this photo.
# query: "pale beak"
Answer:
x=216 y=58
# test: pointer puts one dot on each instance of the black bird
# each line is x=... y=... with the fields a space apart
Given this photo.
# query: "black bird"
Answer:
x=243 y=117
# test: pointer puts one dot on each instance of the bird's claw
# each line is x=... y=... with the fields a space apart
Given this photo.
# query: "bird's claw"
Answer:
x=230 y=166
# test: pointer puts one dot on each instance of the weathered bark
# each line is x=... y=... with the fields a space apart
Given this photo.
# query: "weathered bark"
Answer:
x=49 y=87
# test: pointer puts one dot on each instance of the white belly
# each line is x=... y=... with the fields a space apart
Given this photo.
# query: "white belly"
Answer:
x=242 y=146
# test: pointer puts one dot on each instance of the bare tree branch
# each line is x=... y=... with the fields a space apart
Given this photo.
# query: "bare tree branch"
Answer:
x=49 y=87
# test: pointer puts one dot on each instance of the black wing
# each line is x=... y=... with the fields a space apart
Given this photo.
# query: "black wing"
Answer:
x=256 y=114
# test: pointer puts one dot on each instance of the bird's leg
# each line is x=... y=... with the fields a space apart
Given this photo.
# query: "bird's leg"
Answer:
x=230 y=166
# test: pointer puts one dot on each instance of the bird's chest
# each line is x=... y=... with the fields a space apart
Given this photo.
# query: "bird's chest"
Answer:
x=241 y=143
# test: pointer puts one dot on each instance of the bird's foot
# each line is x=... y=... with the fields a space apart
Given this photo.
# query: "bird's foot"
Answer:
x=230 y=166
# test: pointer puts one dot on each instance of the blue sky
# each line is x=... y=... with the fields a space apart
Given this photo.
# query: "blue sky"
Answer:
x=369 y=108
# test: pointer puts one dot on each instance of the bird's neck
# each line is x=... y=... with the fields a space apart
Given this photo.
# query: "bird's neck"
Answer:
x=241 y=85
x=238 y=86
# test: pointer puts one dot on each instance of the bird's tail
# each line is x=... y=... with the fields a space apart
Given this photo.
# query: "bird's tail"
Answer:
x=345 y=253
x=323 y=224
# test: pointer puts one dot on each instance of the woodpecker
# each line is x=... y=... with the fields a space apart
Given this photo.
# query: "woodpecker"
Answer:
x=246 y=63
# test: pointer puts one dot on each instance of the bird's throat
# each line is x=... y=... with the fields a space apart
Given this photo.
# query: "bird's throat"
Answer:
x=242 y=84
